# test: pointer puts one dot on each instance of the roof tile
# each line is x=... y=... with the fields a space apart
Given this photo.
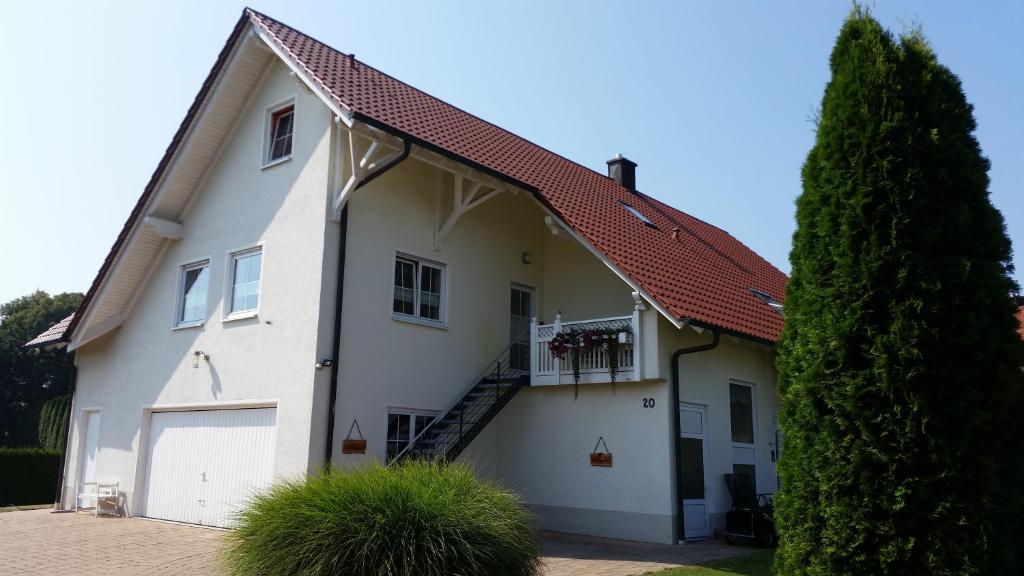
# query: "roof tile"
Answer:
x=52 y=334
x=704 y=274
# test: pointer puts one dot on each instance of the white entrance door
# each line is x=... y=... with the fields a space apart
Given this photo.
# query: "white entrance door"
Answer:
x=693 y=453
x=90 y=445
x=203 y=465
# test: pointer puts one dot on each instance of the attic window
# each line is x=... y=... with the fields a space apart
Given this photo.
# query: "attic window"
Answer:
x=767 y=299
x=637 y=213
x=279 y=142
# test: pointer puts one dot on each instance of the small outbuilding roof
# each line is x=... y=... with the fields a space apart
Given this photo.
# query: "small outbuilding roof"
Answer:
x=53 y=335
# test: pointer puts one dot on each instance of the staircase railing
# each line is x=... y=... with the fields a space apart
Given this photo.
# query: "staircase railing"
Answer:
x=449 y=434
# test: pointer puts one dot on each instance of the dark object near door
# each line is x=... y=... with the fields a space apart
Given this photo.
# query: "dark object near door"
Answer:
x=752 y=514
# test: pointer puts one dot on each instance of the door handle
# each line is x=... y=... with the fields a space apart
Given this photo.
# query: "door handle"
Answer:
x=203 y=474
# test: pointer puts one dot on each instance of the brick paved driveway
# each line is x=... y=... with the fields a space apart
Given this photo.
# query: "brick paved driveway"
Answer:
x=39 y=542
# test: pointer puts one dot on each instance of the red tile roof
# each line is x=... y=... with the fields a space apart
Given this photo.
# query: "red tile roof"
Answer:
x=1020 y=322
x=53 y=334
x=693 y=270
x=701 y=274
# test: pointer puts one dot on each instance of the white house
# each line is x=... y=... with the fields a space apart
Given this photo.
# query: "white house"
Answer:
x=324 y=246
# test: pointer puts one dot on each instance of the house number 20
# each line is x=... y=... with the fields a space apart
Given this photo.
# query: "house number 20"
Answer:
x=648 y=402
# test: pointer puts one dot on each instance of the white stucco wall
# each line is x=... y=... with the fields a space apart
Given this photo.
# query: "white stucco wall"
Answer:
x=704 y=380
x=271 y=357
x=390 y=363
x=540 y=443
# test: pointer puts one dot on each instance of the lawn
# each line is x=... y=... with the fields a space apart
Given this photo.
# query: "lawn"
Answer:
x=755 y=564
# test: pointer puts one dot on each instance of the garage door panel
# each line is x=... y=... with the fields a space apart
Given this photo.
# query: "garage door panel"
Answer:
x=204 y=465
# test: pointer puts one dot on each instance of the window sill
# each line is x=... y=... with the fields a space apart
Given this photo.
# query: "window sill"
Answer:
x=420 y=321
x=187 y=325
x=273 y=163
x=240 y=316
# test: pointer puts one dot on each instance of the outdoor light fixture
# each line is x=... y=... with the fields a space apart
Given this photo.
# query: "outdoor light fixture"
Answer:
x=197 y=355
x=527 y=257
x=325 y=363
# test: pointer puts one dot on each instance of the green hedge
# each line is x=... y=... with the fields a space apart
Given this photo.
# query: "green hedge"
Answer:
x=29 y=476
x=53 y=421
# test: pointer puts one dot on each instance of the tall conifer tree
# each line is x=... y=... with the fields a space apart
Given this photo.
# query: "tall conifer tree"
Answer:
x=899 y=367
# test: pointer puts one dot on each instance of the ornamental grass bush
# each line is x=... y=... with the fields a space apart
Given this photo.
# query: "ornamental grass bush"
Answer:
x=417 y=518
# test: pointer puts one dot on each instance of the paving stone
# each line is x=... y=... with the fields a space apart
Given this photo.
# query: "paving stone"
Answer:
x=39 y=542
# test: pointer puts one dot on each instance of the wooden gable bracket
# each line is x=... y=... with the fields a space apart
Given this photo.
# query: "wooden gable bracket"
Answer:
x=361 y=163
x=463 y=200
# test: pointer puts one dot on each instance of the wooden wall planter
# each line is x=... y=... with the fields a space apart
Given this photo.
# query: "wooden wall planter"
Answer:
x=353 y=445
x=601 y=459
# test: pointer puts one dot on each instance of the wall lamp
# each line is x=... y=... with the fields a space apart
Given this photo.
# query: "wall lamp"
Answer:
x=527 y=257
x=197 y=355
x=325 y=363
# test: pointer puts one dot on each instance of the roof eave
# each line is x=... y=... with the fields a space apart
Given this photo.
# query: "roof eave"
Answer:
x=134 y=217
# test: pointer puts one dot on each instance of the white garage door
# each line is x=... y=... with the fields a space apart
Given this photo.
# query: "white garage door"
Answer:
x=203 y=465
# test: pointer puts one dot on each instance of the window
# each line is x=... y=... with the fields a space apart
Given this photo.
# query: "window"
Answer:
x=403 y=427
x=192 y=291
x=246 y=271
x=282 y=122
x=767 y=299
x=741 y=409
x=418 y=289
x=637 y=213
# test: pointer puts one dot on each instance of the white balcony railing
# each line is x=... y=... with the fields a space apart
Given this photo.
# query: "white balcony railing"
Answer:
x=546 y=369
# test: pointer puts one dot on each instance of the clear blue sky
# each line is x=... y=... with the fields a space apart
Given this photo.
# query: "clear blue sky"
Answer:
x=711 y=98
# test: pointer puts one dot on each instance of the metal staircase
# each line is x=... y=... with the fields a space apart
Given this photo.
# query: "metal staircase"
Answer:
x=449 y=434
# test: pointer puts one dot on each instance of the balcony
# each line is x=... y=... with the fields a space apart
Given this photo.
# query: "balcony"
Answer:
x=547 y=370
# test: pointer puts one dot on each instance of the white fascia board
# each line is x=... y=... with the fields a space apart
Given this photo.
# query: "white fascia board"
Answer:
x=303 y=74
x=93 y=332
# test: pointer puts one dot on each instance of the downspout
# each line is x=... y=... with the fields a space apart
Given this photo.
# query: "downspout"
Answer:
x=339 y=293
x=715 y=339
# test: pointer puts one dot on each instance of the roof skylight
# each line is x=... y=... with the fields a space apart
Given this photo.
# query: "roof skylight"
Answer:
x=637 y=213
x=767 y=299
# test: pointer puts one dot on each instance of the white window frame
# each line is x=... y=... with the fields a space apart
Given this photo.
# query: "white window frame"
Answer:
x=412 y=413
x=179 y=294
x=268 y=132
x=229 y=282
x=415 y=318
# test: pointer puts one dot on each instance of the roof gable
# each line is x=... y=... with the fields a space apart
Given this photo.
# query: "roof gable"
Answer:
x=207 y=123
x=694 y=272
x=697 y=272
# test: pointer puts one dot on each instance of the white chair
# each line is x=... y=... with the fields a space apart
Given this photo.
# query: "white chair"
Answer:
x=103 y=495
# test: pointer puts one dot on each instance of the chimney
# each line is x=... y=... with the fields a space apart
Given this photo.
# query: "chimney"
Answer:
x=623 y=171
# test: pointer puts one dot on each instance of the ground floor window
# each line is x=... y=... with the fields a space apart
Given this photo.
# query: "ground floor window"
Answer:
x=403 y=427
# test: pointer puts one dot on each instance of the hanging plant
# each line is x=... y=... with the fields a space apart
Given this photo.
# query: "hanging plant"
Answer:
x=570 y=343
x=573 y=342
x=613 y=355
